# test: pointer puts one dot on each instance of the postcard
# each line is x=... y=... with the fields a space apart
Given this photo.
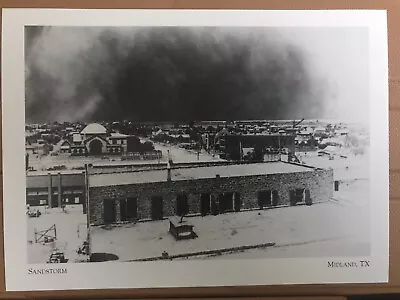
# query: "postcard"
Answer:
x=190 y=148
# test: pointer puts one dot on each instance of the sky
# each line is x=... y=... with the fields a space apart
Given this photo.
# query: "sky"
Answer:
x=188 y=74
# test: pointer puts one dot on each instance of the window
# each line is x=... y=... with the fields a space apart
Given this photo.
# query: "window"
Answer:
x=298 y=196
x=268 y=198
x=77 y=200
x=43 y=202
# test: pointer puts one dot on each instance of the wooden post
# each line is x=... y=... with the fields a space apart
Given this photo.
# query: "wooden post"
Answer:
x=49 y=190
x=279 y=147
x=240 y=151
x=336 y=185
x=59 y=190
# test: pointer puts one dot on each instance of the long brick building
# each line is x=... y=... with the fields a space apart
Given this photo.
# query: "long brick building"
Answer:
x=202 y=190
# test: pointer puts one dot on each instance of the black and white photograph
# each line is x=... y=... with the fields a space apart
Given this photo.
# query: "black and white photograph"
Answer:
x=181 y=143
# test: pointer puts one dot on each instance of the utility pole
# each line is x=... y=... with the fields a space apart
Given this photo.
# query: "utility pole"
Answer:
x=87 y=209
x=26 y=161
x=240 y=151
x=279 y=147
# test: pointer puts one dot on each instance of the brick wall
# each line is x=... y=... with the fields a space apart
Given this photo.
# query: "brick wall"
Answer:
x=319 y=182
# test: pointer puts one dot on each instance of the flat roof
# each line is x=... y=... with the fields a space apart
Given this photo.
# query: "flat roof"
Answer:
x=151 y=176
x=67 y=180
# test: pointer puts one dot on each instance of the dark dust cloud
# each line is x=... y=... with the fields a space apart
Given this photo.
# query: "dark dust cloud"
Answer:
x=167 y=74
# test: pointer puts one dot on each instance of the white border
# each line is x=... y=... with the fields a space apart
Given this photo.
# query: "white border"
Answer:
x=188 y=273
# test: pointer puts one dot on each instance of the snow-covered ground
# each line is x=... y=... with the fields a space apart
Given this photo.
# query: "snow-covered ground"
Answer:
x=70 y=229
x=345 y=168
x=322 y=229
x=339 y=227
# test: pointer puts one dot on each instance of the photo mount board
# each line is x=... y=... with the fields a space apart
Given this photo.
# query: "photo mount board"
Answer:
x=198 y=273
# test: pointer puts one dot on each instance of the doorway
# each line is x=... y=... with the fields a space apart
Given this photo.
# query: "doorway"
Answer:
x=157 y=212
x=205 y=204
x=298 y=196
x=275 y=198
x=128 y=209
x=264 y=199
x=122 y=208
x=131 y=208
x=95 y=147
x=225 y=202
x=182 y=205
x=109 y=211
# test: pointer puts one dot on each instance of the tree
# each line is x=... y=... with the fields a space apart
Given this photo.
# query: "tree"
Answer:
x=133 y=144
x=257 y=155
x=47 y=148
x=210 y=128
x=147 y=146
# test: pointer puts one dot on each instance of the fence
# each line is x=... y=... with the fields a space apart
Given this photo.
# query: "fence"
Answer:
x=47 y=235
x=149 y=155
